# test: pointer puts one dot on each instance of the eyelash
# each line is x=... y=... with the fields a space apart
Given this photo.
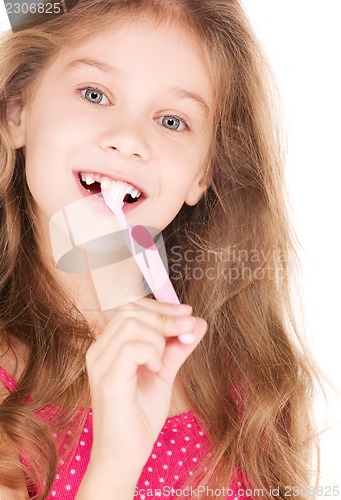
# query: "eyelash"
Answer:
x=182 y=119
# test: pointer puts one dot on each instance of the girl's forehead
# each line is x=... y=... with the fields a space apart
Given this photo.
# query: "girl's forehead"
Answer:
x=132 y=32
x=167 y=50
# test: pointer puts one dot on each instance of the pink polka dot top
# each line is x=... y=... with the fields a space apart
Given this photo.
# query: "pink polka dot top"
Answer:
x=178 y=451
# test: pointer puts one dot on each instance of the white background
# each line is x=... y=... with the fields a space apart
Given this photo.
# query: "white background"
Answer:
x=302 y=39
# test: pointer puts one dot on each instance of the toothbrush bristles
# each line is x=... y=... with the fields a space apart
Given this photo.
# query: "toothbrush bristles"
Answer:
x=116 y=193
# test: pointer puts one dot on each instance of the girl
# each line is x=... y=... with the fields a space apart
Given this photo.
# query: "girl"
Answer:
x=172 y=97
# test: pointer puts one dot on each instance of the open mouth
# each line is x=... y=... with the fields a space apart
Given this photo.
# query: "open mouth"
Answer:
x=92 y=184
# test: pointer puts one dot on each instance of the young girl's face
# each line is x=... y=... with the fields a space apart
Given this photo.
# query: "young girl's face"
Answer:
x=131 y=104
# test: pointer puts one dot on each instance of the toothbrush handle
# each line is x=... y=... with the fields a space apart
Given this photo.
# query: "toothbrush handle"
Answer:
x=166 y=293
x=156 y=276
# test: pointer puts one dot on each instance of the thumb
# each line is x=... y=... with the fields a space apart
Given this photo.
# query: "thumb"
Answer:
x=176 y=353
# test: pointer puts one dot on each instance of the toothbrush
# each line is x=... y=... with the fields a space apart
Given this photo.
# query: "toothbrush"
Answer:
x=142 y=246
x=149 y=260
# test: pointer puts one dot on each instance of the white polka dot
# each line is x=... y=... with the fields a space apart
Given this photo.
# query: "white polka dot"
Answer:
x=158 y=444
x=143 y=497
x=57 y=476
x=72 y=471
x=153 y=455
x=180 y=463
x=78 y=457
x=195 y=459
x=183 y=450
x=68 y=487
x=172 y=441
x=169 y=453
x=197 y=445
x=165 y=466
x=150 y=469
x=239 y=484
x=85 y=430
x=175 y=430
x=201 y=433
x=161 y=480
x=176 y=477
x=53 y=493
x=146 y=483
x=61 y=462
x=186 y=438
x=189 y=425
x=82 y=443
x=190 y=473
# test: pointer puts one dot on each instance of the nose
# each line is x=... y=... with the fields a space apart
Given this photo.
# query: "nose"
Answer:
x=127 y=138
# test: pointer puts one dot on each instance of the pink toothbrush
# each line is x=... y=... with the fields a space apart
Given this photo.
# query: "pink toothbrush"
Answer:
x=148 y=260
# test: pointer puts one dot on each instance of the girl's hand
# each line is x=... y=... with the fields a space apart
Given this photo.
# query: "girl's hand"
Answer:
x=131 y=368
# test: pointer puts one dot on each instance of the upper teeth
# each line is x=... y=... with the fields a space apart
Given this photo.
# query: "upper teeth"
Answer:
x=110 y=184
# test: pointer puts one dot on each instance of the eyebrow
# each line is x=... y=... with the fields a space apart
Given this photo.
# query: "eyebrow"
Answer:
x=185 y=94
x=107 y=68
x=94 y=63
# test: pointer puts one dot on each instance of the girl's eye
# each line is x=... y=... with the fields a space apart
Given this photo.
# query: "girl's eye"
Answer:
x=94 y=96
x=173 y=123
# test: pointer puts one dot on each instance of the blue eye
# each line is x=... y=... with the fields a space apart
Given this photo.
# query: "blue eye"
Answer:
x=94 y=95
x=173 y=123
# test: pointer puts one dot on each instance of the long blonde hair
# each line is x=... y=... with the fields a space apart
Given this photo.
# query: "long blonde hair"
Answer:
x=250 y=381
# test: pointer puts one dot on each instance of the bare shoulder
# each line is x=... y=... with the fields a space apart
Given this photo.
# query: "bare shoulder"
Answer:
x=12 y=482
x=12 y=358
x=10 y=494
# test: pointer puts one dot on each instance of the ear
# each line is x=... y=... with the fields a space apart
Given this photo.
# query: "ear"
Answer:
x=198 y=188
x=16 y=118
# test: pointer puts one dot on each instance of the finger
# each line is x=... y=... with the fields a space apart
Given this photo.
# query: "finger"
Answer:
x=123 y=375
x=166 y=325
x=176 y=353
x=164 y=307
x=101 y=356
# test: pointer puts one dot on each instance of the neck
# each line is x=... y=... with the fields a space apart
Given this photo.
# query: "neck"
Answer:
x=97 y=293
x=93 y=264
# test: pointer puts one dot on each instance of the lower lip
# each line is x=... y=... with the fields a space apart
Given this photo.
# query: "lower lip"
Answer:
x=98 y=202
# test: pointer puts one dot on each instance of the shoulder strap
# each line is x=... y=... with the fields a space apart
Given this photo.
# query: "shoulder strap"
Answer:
x=7 y=380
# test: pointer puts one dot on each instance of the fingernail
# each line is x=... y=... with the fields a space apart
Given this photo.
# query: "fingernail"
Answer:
x=185 y=308
x=186 y=321
x=187 y=338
